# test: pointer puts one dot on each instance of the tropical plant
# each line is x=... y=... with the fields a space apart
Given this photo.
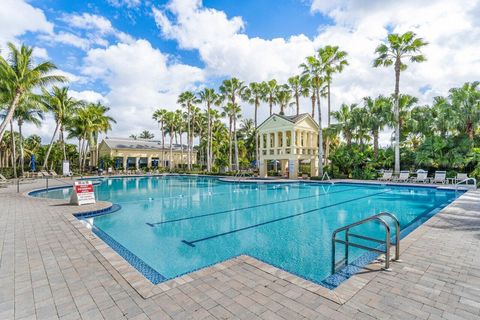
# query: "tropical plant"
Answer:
x=394 y=52
x=147 y=135
x=187 y=100
x=209 y=97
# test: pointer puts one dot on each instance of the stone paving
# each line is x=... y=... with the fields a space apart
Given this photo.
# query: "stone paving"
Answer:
x=51 y=269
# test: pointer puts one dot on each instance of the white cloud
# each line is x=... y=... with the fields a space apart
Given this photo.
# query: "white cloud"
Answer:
x=140 y=79
x=18 y=17
x=125 y=3
x=451 y=28
x=89 y=96
x=88 y=21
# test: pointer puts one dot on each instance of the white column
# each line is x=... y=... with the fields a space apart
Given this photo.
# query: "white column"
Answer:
x=284 y=136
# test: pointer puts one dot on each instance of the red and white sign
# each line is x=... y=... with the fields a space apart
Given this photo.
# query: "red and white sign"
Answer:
x=82 y=193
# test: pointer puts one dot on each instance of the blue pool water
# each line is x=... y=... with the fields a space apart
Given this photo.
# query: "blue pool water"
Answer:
x=171 y=225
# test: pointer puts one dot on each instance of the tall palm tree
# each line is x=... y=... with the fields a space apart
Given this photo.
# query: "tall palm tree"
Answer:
x=232 y=90
x=271 y=94
x=255 y=94
x=145 y=134
x=159 y=116
x=187 y=99
x=333 y=61
x=63 y=107
x=394 y=52
x=19 y=75
x=378 y=111
x=315 y=70
x=171 y=122
x=209 y=97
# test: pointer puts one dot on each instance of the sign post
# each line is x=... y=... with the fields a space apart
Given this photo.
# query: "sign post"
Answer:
x=66 y=168
x=82 y=193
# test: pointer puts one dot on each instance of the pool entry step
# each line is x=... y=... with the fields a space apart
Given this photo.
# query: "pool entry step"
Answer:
x=383 y=245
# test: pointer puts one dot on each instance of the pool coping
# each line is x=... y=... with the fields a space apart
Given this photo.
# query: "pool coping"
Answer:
x=146 y=289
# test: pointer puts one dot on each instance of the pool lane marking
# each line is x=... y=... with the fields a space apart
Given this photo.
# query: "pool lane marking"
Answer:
x=192 y=243
x=153 y=224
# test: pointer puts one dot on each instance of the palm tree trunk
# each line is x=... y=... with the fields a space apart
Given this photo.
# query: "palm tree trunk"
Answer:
x=257 y=154
x=63 y=143
x=375 y=144
x=397 y=116
x=188 y=137
x=230 y=144
x=163 y=143
x=22 y=160
x=313 y=104
x=237 y=166
x=10 y=113
x=80 y=154
x=327 y=140
x=297 y=102
x=172 y=133
x=270 y=104
x=320 y=136
x=181 y=152
x=45 y=162
x=209 y=143
x=14 y=153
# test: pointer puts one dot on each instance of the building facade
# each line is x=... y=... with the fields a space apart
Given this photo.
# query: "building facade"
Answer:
x=132 y=153
x=288 y=142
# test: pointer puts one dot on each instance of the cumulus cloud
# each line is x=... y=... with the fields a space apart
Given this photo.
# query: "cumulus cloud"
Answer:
x=140 y=79
x=18 y=17
x=450 y=27
x=125 y=3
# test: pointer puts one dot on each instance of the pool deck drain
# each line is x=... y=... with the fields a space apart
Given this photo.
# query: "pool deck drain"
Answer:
x=52 y=267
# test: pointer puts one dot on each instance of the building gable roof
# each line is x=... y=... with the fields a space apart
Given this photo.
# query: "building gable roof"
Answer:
x=293 y=119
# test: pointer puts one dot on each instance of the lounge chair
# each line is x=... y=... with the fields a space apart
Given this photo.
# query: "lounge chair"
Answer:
x=44 y=173
x=460 y=177
x=422 y=177
x=387 y=176
x=4 y=181
x=53 y=173
x=440 y=177
x=403 y=176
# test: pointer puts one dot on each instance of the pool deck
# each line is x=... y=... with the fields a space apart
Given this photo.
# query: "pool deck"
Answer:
x=51 y=267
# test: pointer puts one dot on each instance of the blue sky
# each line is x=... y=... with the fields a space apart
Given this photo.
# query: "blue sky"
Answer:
x=136 y=56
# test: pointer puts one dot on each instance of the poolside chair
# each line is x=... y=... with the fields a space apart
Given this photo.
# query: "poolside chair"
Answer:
x=440 y=177
x=422 y=177
x=403 y=176
x=44 y=173
x=387 y=176
x=460 y=177
x=53 y=173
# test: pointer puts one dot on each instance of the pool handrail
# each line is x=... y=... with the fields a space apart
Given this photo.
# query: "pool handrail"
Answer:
x=386 y=242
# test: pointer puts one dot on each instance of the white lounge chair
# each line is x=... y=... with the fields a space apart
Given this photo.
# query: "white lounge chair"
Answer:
x=440 y=177
x=45 y=173
x=3 y=181
x=460 y=177
x=387 y=176
x=422 y=177
x=403 y=176
x=53 y=173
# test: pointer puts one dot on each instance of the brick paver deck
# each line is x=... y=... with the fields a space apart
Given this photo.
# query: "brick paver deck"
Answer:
x=51 y=269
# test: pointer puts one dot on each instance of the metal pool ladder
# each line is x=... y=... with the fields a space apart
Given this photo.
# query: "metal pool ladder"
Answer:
x=386 y=243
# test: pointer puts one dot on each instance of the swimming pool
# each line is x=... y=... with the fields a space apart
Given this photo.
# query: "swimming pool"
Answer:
x=167 y=226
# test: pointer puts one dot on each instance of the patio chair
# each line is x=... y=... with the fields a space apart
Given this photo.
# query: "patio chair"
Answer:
x=53 y=173
x=460 y=177
x=44 y=173
x=387 y=176
x=403 y=176
x=422 y=177
x=440 y=177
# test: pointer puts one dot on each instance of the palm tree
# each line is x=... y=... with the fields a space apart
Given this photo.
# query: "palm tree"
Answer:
x=209 y=97
x=378 y=111
x=187 y=99
x=333 y=61
x=345 y=123
x=231 y=90
x=19 y=75
x=283 y=97
x=28 y=111
x=170 y=120
x=298 y=89
x=271 y=93
x=314 y=69
x=62 y=106
x=254 y=94
x=159 y=116
x=147 y=135
x=394 y=52
x=466 y=101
